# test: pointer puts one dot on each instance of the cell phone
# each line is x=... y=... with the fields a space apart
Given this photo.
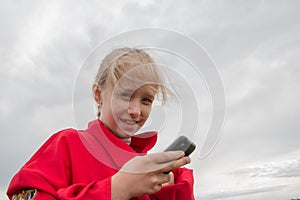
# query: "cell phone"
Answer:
x=184 y=144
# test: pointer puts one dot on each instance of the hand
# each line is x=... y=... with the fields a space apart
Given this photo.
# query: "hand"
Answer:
x=144 y=174
x=171 y=181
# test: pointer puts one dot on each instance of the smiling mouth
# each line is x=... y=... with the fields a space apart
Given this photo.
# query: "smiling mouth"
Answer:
x=129 y=122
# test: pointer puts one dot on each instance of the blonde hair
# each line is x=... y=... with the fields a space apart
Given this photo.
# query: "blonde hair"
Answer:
x=120 y=62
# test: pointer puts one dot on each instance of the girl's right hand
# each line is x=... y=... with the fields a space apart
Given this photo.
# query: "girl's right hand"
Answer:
x=144 y=174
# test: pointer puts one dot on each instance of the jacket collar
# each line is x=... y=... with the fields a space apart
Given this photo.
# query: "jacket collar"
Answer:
x=140 y=143
x=110 y=148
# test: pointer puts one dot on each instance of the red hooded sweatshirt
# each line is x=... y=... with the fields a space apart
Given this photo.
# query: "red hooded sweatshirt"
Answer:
x=77 y=165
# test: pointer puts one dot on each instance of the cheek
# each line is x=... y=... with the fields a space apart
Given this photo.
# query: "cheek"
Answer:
x=119 y=107
x=146 y=110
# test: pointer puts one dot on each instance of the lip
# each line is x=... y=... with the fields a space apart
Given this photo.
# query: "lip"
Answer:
x=129 y=125
x=128 y=121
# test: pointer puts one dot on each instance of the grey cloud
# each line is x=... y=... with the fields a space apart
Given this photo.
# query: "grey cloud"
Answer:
x=242 y=193
x=290 y=168
x=255 y=44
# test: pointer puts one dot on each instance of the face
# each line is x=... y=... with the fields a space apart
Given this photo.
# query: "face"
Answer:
x=125 y=111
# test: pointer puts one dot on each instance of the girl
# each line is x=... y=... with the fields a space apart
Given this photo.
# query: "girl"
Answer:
x=107 y=161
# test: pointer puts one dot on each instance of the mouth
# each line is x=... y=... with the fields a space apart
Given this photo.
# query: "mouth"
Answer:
x=129 y=122
x=129 y=125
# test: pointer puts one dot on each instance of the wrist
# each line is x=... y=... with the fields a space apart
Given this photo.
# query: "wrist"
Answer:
x=119 y=191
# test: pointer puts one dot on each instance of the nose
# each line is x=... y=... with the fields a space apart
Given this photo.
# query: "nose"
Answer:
x=134 y=108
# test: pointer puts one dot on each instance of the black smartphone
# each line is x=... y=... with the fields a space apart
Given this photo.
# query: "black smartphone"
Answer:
x=184 y=144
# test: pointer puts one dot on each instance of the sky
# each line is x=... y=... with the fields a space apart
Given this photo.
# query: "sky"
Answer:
x=255 y=45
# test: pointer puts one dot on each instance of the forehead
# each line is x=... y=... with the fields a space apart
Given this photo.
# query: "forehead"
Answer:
x=132 y=86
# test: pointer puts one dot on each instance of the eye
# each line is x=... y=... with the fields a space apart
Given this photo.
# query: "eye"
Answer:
x=125 y=96
x=147 y=101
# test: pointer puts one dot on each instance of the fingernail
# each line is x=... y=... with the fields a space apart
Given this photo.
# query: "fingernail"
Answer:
x=189 y=160
x=182 y=154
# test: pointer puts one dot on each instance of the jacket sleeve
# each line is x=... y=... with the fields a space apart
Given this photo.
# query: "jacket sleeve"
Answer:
x=182 y=189
x=49 y=171
x=91 y=191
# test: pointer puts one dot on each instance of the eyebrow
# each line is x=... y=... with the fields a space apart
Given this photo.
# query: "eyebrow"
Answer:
x=145 y=91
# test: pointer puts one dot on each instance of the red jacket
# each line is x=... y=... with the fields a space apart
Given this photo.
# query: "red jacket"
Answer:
x=77 y=165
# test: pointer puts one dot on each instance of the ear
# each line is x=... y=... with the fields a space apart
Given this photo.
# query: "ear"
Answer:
x=97 y=93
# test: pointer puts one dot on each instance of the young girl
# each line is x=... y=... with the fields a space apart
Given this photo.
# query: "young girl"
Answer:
x=107 y=160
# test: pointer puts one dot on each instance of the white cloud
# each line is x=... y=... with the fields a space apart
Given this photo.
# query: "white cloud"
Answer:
x=282 y=169
x=243 y=193
x=3 y=193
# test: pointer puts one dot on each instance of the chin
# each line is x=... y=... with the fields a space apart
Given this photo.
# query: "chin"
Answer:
x=129 y=131
x=125 y=134
x=129 y=134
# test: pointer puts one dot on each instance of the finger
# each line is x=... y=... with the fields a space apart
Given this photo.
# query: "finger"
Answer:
x=152 y=162
x=160 y=179
x=164 y=178
x=157 y=187
x=166 y=166
x=175 y=164
x=165 y=157
x=171 y=179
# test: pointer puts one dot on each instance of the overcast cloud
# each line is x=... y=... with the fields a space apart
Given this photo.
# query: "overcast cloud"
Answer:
x=255 y=45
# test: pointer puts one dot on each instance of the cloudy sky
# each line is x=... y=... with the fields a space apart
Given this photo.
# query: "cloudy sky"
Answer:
x=254 y=44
